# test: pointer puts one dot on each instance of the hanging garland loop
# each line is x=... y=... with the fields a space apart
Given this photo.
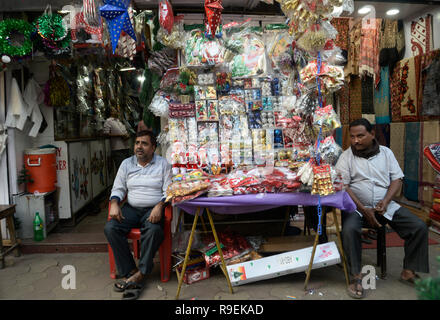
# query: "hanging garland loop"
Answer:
x=7 y=28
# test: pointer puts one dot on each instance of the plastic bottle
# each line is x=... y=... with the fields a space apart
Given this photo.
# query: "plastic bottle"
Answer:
x=38 y=228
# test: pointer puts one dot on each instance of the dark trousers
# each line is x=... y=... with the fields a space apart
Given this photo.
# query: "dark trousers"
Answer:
x=118 y=156
x=312 y=220
x=408 y=226
x=152 y=236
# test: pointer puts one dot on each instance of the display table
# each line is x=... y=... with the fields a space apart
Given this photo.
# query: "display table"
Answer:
x=260 y=202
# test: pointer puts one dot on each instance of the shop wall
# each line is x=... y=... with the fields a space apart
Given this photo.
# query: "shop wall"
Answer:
x=19 y=140
x=435 y=28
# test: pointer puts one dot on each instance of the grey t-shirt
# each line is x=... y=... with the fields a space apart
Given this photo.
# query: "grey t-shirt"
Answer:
x=369 y=179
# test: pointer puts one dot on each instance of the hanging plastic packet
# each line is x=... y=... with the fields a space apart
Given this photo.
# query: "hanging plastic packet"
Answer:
x=168 y=80
x=329 y=150
x=252 y=62
x=334 y=56
x=233 y=39
x=175 y=38
x=305 y=173
x=193 y=48
x=159 y=105
x=327 y=119
x=322 y=180
x=279 y=49
x=166 y=16
x=314 y=39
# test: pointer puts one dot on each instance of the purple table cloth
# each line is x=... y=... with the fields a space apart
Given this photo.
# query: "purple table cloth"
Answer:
x=265 y=201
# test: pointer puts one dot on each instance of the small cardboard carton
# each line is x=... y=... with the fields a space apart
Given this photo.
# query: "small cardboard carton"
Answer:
x=281 y=264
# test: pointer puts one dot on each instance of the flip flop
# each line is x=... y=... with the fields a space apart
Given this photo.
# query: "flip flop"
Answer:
x=132 y=294
x=355 y=294
x=372 y=234
x=411 y=281
x=123 y=285
x=366 y=240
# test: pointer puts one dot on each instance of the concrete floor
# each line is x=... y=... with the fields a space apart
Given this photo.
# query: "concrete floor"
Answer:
x=39 y=276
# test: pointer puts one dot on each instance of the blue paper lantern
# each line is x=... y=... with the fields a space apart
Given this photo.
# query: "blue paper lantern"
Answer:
x=118 y=19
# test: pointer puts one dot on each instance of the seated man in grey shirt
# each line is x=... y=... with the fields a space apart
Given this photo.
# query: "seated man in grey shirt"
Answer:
x=142 y=179
x=372 y=176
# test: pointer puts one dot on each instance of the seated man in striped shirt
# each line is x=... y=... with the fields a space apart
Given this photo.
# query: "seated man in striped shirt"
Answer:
x=143 y=179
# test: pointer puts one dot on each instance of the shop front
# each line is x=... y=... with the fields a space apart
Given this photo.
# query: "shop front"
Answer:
x=251 y=110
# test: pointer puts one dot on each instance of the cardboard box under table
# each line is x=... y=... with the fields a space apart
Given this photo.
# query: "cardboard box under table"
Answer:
x=260 y=202
x=285 y=263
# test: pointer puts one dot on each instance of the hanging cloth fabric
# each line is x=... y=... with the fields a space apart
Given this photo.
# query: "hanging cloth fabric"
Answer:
x=17 y=110
x=33 y=96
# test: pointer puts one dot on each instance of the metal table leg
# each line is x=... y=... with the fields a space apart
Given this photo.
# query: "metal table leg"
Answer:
x=223 y=266
x=188 y=250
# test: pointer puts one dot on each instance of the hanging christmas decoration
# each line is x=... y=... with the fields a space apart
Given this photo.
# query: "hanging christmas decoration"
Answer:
x=166 y=15
x=51 y=36
x=303 y=13
x=56 y=90
x=80 y=22
x=118 y=19
x=213 y=11
x=127 y=46
x=91 y=15
x=9 y=26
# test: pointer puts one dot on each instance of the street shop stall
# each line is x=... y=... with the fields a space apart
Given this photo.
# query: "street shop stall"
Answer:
x=250 y=121
x=63 y=82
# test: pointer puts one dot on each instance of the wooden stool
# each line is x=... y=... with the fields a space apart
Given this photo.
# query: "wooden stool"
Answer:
x=7 y=212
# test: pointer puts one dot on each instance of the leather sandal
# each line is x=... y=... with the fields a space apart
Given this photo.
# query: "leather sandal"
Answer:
x=410 y=281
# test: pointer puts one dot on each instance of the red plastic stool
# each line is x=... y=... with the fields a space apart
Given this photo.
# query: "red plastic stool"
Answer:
x=164 y=250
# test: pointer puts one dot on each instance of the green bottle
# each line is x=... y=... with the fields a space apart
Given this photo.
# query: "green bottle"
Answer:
x=38 y=228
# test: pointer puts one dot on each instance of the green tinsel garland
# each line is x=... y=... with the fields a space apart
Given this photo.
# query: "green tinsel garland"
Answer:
x=6 y=28
x=50 y=27
x=150 y=86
